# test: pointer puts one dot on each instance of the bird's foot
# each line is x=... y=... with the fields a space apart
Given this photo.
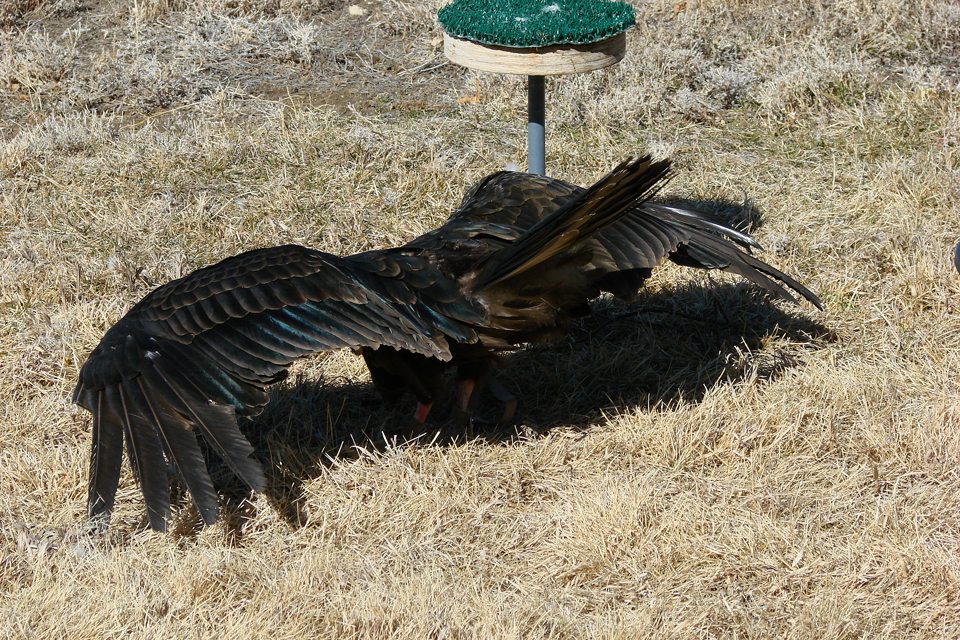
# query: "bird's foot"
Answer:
x=507 y=400
x=462 y=419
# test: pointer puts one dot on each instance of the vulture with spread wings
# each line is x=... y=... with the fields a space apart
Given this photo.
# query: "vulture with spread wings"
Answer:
x=520 y=258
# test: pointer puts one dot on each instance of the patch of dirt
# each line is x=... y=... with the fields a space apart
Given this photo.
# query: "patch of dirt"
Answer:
x=107 y=57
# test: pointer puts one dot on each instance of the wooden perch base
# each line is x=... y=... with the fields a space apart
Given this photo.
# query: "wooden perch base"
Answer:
x=539 y=61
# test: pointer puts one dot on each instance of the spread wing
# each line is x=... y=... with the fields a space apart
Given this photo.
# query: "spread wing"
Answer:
x=505 y=204
x=641 y=240
x=198 y=352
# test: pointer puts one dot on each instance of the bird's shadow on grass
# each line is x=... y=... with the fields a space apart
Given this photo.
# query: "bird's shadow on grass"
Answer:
x=668 y=346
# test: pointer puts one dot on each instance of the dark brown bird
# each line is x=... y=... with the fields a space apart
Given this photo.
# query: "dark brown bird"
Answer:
x=520 y=258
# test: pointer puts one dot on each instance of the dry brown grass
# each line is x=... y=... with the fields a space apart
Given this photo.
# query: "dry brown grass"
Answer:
x=700 y=464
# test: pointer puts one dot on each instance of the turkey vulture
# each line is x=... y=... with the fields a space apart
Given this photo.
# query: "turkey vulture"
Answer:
x=520 y=258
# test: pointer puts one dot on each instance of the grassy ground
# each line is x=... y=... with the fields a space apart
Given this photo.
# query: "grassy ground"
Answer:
x=701 y=464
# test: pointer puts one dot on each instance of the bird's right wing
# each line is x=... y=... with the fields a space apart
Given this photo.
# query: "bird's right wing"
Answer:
x=631 y=246
x=199 y=351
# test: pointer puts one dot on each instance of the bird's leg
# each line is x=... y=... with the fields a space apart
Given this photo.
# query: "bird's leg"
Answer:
x=506 y=398
x=420 y=415
x=461 y=404
x=465 y=389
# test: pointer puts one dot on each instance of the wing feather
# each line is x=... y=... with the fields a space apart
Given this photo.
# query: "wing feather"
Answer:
x=198 y=352
x=105 y=456
x=217 y=422
x=146 y=458
x=178 y=441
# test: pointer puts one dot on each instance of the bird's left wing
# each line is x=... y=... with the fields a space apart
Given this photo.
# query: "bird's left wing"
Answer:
x=199 y=351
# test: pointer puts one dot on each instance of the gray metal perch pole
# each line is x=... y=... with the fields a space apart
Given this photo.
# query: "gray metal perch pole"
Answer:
x=536 y=134
x=536 y=63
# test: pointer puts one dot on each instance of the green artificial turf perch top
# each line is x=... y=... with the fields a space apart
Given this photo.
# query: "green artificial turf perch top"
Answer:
x=535 y=23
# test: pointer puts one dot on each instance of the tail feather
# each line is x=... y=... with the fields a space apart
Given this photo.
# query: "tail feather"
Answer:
x=610 y=198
